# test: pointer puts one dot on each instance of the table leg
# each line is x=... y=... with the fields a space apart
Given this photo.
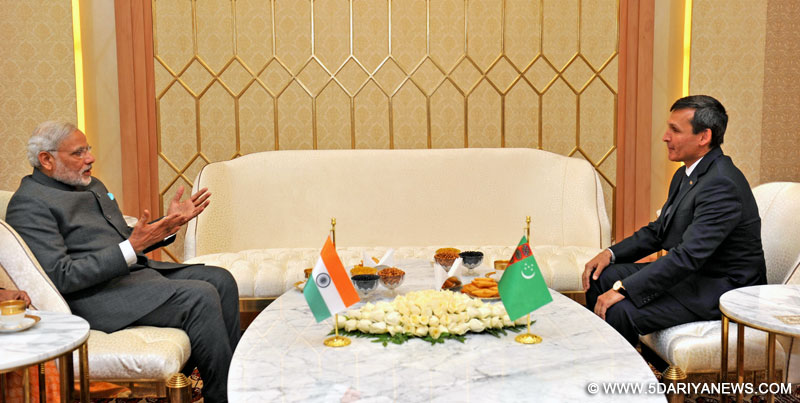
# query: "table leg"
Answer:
x=66 y=377
x=26 y=385
x=723 y=367
x=3 y=387
x=42 y=386
x=770 y=363
x=84 y=377
x=740 y=361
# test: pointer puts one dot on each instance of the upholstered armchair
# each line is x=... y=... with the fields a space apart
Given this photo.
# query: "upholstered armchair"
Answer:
x=695 y=348
x=137 y=356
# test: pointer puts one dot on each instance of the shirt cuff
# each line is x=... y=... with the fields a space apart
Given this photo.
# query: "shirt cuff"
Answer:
x=128 y=252
x=613 y=257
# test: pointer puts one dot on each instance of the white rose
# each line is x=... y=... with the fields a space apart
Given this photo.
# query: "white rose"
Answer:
x=350 y=325
x=498 y=310
x=460 y=329
x=473 y=312
x=507 y=321
x=384 y=306
x=487 y=322
x=463 y=317
x=415 y=310
x=497 y=323
x=376 y=315
x=427 y=311
x=445 y=319
x=476 y=303
x=439 y=309
x=354 y=314
x=363 y=325
x=476 y=325
x=421 y=331
x=392 y=318
x=340 y=323
x=435 y=332
x=423 y=320
x=485 y=311
x=523 y=320
x=408 y=328
x=433 y=321
x=377 y=328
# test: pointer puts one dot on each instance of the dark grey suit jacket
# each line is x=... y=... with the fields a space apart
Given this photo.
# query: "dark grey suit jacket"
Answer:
x=713 y=239
x=75 y=232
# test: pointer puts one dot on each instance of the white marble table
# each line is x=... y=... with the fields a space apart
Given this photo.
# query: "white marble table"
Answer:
x=281 y=358
x=773 y=308
x=56 y=335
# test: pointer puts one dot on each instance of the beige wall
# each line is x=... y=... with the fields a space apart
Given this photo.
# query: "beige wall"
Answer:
x=780 y=142
x=752 y=71
x=728 y=64
x=38 y=70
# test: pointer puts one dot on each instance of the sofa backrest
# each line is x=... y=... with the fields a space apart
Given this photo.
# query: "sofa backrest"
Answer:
x=285 y=199
x=779 y=208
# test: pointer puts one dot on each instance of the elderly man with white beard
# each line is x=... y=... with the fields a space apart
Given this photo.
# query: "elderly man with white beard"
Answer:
x=74 y=227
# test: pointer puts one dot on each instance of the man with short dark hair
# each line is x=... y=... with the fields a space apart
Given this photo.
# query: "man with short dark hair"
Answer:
x=74 y=227
x=709 y=225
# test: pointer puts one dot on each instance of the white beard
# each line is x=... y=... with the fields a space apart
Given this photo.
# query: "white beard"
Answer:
x=63 y=175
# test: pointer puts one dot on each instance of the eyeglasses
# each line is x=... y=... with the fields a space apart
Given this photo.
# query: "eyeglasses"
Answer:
x=80 y=153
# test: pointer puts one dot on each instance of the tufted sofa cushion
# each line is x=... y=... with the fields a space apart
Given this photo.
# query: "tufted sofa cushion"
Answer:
x=270 y=272
x=139 y=352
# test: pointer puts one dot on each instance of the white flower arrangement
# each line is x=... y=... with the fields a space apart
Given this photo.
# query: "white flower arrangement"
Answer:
x=429 y=314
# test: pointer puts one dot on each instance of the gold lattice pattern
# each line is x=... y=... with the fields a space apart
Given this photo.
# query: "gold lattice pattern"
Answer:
x=240 y=76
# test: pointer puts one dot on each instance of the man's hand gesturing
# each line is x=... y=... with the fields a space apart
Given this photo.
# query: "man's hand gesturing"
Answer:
x=178 y=213
x=191 y=207
x=596 y=266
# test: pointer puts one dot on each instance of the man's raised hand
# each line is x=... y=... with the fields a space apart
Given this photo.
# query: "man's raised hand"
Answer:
x=189 y=208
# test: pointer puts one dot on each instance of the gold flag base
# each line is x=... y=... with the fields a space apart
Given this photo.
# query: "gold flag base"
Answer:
x=337 y=341
x=528 y=338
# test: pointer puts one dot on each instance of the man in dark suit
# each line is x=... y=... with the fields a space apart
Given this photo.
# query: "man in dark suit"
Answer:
x=709 y=225
x=74 y=227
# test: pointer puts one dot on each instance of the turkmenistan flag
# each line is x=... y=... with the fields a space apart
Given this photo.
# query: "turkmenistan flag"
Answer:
x=522 y=287
x=329 y=289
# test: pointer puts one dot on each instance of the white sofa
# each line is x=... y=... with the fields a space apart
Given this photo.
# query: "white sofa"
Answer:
x=270 y=212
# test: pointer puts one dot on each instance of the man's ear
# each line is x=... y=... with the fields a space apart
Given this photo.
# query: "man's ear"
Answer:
x=47 y=161
x=705 y=137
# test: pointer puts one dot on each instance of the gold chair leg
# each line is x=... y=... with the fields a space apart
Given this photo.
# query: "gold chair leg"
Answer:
x=83 y=359
x=770 y=363
x=740 y=360
x=42 y=386
x=674 y=375
x=723 y=366
x=26 y=385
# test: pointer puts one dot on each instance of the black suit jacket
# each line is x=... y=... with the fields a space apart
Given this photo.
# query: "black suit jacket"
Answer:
x=713 y=239
x=75 y=232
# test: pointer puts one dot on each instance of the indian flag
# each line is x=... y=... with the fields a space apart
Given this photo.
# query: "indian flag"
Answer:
x=328 y=289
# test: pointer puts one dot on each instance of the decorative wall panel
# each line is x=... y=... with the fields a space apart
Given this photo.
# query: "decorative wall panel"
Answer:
x=728 y=63
x=236 y=77
x=37 y=65
x=780 y=137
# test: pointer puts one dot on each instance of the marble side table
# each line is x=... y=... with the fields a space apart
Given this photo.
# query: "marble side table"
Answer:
x=773 y=308
x=56 y=335
x=281 y=357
